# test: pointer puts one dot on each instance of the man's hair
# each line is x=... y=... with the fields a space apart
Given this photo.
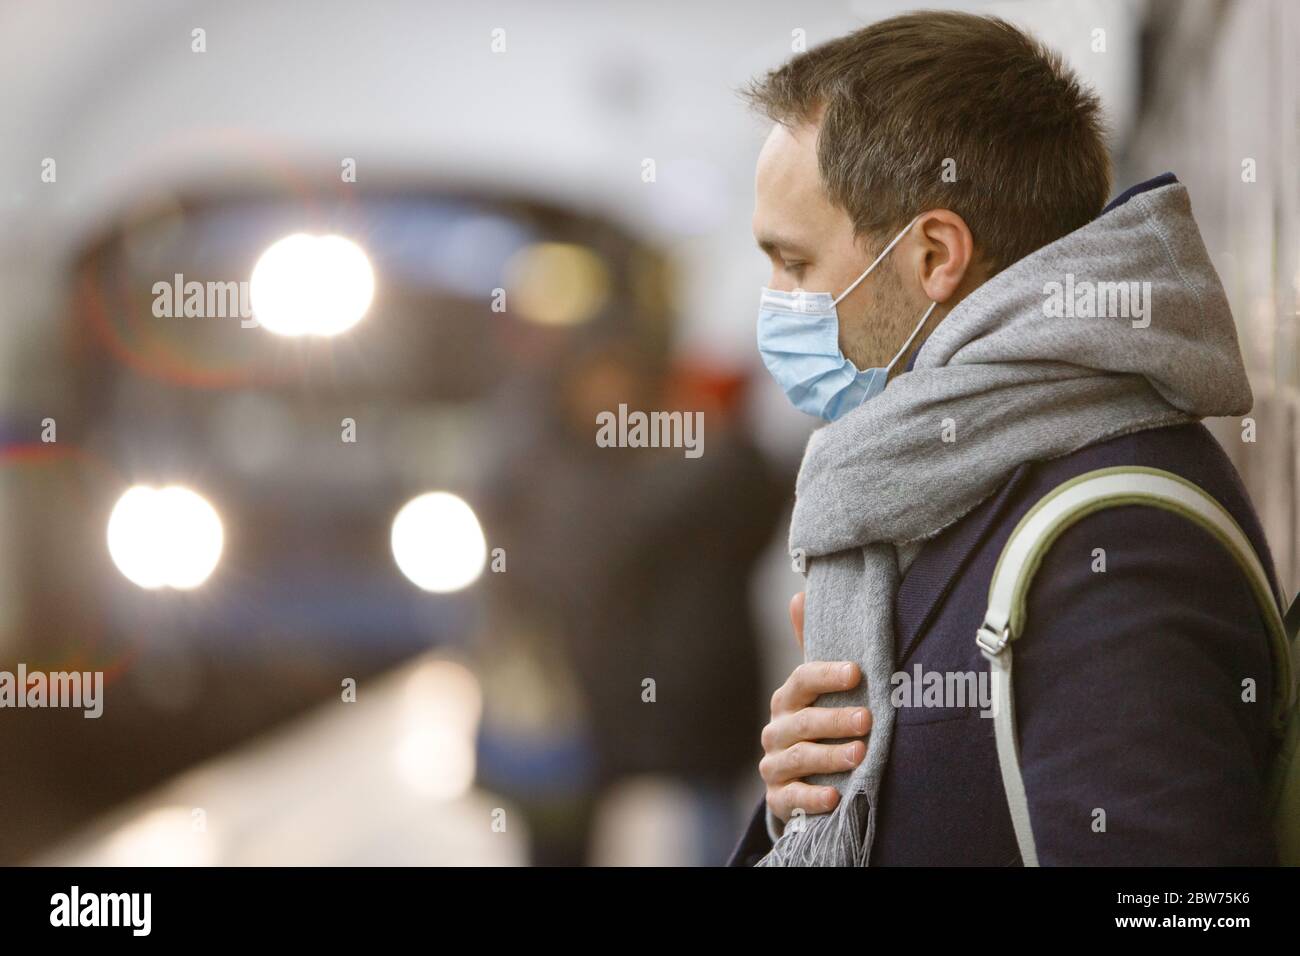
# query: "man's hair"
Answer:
x=898 y=98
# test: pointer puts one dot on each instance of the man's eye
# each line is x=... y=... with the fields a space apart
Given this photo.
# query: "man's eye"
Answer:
x=794 y=268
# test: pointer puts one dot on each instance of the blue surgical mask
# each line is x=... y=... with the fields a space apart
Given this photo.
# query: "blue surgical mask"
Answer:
x=799 y=339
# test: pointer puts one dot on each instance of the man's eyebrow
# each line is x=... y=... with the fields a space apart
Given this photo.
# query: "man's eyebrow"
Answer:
x=770 y=243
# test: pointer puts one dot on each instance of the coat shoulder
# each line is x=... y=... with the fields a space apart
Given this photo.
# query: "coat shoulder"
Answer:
x=1189 y=451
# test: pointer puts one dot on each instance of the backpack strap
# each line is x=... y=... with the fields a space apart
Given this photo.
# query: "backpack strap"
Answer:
x=1022 y=555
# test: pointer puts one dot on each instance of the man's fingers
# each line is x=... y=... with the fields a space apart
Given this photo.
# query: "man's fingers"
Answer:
x=796 y=617
x=815 y=723
x=805 y=759
x=783 y=801
x=809 y=681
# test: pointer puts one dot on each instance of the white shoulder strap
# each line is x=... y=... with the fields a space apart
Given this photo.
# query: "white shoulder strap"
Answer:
x=1066 y=504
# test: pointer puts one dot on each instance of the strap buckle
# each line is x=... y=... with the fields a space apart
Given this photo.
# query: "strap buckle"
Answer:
x=992 y=641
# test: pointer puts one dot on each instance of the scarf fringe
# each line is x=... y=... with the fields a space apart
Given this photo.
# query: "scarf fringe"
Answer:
x=842 y=837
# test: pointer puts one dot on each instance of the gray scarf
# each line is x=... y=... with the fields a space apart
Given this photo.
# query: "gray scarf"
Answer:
x=1015 y=373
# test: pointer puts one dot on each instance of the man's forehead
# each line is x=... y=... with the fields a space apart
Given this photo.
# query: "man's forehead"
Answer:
x=789 y=153
x=790 y=203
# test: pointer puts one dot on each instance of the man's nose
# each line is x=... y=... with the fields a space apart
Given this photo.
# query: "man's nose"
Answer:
x=780 y=281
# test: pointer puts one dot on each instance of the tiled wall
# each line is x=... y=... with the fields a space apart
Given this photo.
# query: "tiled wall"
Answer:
x=1226 y=90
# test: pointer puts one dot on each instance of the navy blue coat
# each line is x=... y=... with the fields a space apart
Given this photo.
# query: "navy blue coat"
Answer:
x=1128 y=684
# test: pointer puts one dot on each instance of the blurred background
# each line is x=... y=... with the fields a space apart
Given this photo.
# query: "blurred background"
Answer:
x=405 y=610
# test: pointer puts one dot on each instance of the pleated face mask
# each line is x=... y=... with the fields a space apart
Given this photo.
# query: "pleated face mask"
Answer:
x=799 y=339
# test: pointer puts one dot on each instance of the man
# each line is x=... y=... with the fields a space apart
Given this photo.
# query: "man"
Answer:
x=936 y=183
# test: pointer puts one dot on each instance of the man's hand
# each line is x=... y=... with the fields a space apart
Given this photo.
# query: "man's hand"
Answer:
x=789 y=747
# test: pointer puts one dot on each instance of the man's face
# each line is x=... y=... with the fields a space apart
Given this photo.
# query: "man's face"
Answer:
x=811 y=246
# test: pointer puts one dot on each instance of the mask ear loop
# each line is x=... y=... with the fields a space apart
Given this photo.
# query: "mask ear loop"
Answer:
x=893 y=242
x=919 y=326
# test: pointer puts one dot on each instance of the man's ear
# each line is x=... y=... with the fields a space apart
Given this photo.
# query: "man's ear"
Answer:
x=941 y=249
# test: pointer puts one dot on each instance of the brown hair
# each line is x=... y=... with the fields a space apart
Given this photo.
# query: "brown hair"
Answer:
x=899 y=97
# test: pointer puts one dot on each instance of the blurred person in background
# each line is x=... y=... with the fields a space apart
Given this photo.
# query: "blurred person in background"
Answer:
x=625 y=565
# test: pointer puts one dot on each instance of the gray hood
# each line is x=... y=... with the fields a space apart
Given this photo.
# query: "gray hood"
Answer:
x=1188 y=352
x=1031 y=323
